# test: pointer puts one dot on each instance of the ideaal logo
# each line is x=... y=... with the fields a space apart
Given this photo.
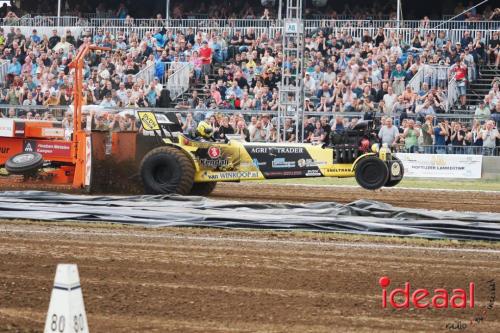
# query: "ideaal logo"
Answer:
x=422 y=298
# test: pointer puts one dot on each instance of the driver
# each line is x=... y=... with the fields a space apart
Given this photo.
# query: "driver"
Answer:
x=204 y=131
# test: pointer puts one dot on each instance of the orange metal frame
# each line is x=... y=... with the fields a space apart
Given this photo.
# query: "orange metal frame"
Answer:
x=79 y=134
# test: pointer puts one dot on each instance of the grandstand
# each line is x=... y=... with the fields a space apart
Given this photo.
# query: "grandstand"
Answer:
x=338 y=67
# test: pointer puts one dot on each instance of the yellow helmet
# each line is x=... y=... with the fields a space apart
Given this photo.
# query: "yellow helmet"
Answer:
x=204 y=130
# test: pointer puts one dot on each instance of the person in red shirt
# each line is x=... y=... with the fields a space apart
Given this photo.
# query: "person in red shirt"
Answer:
x=460 y=71
x=206 y=61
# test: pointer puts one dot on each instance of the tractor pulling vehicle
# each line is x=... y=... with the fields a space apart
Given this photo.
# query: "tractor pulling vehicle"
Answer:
x=188 y=165
x=39 y=155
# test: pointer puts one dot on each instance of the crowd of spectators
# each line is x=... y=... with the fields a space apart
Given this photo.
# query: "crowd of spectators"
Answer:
x=368 y=76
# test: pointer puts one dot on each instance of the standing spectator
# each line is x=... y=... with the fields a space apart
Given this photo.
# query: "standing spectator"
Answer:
x=54 y=39
x=460 y=70
x=388 y=133
x=489 y=135
x=206 y=61
x=411 y=135
x=440 y=137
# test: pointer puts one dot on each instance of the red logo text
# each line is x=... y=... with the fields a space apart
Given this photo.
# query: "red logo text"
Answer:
x=423 y=298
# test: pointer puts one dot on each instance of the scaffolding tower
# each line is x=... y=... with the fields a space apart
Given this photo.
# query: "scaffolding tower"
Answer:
x=291 y=93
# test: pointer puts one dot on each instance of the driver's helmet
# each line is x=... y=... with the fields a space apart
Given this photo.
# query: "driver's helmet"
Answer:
x=204 y=130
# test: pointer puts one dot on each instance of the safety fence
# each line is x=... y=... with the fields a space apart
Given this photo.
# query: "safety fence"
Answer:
x=198 y=22
x=433 y=75
x=173 y=75
x=202 y=113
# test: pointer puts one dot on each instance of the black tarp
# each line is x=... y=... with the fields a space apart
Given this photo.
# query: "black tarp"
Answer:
x=360 y=217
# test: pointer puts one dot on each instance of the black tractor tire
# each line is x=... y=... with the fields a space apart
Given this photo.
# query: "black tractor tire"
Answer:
x=392 y=183
x=203 y=189
x=167 y=170
x=26 y=163
x=371 y=173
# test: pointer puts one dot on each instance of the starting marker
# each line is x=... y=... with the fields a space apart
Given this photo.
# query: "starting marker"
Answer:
x=66 y=310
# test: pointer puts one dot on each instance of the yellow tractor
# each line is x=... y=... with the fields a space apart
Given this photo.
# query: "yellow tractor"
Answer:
x=193 y=165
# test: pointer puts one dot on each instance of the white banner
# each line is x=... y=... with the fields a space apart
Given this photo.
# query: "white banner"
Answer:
x=441 y=165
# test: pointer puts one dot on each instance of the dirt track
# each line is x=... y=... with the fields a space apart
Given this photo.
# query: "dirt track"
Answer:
x=402 y=197
x=137 y=280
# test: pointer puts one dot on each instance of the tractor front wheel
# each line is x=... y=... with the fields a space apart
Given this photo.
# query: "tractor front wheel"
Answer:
x=371 y=173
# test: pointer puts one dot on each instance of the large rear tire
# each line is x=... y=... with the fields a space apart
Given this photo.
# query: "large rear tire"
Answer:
x=392 y=183
x=167 y=170
x=203 y=189
x=371 y=173
x=26 y=163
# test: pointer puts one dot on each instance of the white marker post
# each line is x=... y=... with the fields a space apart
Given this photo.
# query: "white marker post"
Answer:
x=66 y=310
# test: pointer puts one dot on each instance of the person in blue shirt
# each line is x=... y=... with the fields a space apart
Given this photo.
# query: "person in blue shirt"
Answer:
x=35 y=38
x=440 y=134
x=14 y=67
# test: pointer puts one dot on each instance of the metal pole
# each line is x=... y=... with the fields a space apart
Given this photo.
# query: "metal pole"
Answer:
x=59 y=12
x=167 y=9
x=398 y=15
x=280 y=8
x=465 y=11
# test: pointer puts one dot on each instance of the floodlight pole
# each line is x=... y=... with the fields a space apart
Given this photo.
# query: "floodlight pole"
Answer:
x=398 y=14
x=58 y=13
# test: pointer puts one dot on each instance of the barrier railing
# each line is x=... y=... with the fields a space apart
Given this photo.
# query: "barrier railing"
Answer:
x=406 y=34
x=58 y=113
x=173 y=75
x=106 y=20
x=434 y=75
x=176 y=78
x=452 y=93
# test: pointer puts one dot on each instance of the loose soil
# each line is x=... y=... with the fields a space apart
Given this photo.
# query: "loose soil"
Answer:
x=203 y=280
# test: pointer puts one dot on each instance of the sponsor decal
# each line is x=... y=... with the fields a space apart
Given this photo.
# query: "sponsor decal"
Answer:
x=29 y=146
x=287 y=173
x=395 y=169
x=49 y=149
x=219 y=163
x=4 y=150
x=307 y=163
x=232 y=175
x=214 y=152
x=277 y=150
x=282 y=163
x=148 y=121
x=313 y=173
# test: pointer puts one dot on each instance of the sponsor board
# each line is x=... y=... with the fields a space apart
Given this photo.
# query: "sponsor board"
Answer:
x=6 y=127
x=442 y=165
x=49 y=149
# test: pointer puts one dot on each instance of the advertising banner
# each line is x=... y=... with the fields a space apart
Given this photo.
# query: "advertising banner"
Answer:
x=441 y=165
